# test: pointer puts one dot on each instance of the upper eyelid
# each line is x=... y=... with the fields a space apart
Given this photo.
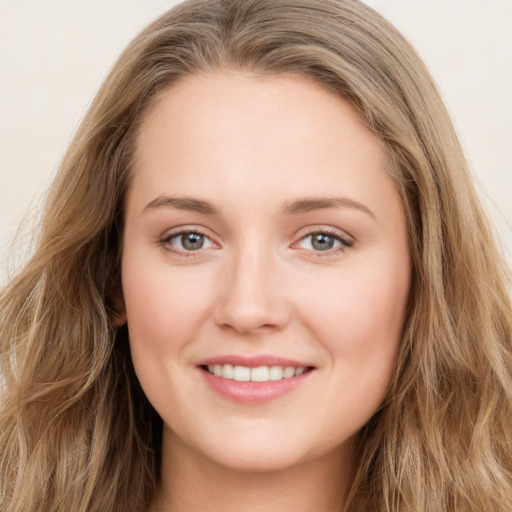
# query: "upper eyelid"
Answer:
x=331 y=230
x=344 y=243
x=345 y=239
x=186 y=229
x=165 y=242
x=300 y=234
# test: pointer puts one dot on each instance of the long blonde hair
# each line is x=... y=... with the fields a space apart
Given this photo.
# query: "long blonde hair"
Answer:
x=77 y=433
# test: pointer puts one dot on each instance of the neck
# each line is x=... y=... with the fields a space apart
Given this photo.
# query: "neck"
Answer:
x=192 y=482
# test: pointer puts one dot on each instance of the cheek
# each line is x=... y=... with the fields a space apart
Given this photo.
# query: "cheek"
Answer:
x=162 y=304
x=358 y=321
x=359 y=316
x=164 y=312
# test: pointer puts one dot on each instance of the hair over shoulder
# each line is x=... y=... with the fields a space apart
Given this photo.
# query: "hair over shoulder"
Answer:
x=76 y=431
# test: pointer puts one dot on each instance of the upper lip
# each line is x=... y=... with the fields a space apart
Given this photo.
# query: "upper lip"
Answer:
x=253 y=361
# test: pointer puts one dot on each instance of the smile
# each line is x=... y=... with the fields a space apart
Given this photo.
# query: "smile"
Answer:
x=259 y=374
x=254 y=380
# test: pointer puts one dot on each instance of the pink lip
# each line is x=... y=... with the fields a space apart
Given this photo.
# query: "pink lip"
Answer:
x=252 y=392
x=253 y=361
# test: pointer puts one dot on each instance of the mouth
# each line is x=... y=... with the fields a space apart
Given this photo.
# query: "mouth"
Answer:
x=254 y=380
x=262 y=373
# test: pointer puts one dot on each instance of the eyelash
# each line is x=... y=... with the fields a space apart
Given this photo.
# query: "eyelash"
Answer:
x=344 y=243
x=165 y=242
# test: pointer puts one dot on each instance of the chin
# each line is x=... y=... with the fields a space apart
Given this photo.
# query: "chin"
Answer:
x=256 y=460
x=243 y=453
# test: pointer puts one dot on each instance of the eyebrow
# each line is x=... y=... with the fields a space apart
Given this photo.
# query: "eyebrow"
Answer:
x=309 y=204
x=295 y=208
x=183 y=203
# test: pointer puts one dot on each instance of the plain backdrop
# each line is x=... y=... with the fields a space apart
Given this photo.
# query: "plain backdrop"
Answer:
x=55 y=53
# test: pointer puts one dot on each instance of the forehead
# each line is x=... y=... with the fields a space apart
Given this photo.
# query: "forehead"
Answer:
x=229 y=133
x=252 y=101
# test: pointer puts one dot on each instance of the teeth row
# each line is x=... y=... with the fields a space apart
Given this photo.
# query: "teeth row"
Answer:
x=260 y=374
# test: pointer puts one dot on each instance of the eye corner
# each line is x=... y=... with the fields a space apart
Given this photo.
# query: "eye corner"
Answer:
x=174 y=242
x=328 y=241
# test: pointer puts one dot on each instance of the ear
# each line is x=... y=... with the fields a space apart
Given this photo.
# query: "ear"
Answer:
x=116 y=308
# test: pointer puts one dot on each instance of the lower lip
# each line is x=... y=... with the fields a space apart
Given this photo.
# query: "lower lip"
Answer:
x=253 y=392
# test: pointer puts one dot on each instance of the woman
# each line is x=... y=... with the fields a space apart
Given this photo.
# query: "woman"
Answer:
x=263 y=282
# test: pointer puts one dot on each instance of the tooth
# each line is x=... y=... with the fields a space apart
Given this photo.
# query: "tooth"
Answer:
x=276 y=372
x=288 y=372
x=242 y=373
x=260 y=374
x=227 y=371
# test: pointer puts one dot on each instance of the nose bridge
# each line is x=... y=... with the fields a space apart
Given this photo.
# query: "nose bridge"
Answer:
x=252 y=297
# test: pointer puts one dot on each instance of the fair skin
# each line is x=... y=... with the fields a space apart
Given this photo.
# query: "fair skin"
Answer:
x=261 y=231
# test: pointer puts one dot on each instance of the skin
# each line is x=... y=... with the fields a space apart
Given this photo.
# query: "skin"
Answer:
x=251 y=146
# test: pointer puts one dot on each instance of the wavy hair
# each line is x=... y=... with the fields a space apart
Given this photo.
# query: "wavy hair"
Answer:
x=77 y=433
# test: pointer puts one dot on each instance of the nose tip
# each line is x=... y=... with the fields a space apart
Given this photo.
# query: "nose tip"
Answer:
x=246 y=319
x=252 y=300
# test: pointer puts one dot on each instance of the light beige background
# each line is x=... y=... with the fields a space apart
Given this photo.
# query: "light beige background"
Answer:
x=55 y=53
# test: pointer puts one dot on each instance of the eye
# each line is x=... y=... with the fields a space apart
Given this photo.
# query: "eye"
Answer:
x=322 y=241
x=187 y=241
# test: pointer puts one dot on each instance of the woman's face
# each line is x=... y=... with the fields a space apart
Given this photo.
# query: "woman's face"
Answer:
x=263 y=241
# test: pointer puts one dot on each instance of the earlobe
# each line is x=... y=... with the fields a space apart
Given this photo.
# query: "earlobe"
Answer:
x=117 y=319
x=116 y=308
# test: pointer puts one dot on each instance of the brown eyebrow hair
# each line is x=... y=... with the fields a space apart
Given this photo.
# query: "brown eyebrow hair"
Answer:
x=309 y=204
x=183 y=203
x=294 y=208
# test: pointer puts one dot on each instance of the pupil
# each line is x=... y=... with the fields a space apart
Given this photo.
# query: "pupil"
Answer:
x=192 y=241
x=322 y=242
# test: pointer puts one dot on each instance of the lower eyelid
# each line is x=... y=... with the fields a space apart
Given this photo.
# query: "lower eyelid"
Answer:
x=342 y=241
x=166 y=242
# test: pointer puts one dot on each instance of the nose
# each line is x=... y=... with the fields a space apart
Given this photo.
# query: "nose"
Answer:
x=252 y=298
